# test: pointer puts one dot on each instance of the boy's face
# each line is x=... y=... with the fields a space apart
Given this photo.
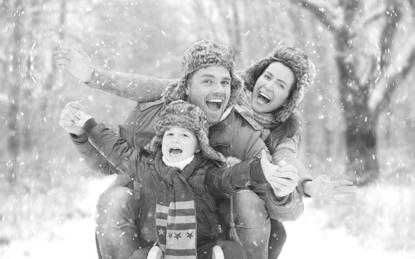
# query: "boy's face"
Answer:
x=178 y=144
x=272 y=88
x=210 y=89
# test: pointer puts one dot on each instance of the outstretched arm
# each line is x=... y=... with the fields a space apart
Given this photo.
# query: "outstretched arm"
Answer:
x=101 y=140
x=135 y=87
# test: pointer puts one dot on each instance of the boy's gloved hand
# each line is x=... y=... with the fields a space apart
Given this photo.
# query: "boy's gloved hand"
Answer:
x=76 y=62
x=73 y=118
x=282 y=178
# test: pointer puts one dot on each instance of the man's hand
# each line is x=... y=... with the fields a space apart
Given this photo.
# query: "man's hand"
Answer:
x=324 y=188
x=77 y=63
x=282 y=178
x=73 y=118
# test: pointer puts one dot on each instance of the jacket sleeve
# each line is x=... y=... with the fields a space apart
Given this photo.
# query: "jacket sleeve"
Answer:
x=136 y=87
x=224 y=181
x=92 y=157
x=123 y=156
x=286 y=208
x=287 y=150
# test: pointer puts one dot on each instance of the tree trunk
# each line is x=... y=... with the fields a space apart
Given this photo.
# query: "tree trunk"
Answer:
x=13 y=138
x=361 y=150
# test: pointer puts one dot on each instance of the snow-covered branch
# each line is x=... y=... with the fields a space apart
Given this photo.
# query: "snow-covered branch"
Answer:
x=394 y=82
x=324 y=15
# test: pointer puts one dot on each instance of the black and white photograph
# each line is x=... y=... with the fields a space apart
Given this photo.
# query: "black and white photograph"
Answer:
x=214 y=129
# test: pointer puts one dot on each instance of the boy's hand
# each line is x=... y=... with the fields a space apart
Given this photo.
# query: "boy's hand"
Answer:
x=77 y=63
x=73 y=118
x=283 y=178
x=324 y=188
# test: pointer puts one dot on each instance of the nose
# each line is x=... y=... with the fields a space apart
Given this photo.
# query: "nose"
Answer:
x=218 y=88
x=269 y=85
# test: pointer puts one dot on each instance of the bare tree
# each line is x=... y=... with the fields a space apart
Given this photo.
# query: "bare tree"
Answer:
x=364 y=96
x=14 y=87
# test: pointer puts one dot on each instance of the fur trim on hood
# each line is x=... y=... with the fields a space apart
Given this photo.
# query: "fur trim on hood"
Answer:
x=302 y=67
x=203 y=54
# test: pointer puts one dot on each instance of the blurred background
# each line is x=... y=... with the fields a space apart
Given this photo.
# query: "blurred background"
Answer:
x=359 y=118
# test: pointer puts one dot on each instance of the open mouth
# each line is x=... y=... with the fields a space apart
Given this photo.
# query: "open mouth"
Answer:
x=175 y=151
x=263 y=97
x=214 y=104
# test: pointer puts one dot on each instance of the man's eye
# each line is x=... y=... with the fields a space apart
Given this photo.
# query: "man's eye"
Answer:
x=208 y=81
x=266 y=76
x=226 y=83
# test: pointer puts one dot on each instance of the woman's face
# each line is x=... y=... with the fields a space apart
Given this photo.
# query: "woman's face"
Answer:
x=272 y=88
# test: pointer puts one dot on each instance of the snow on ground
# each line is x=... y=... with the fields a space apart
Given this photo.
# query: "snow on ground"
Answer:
x=306 y=239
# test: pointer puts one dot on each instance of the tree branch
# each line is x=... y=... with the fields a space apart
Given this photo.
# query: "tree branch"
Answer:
x=374 y=16
x=322 y=14
x=393 y=16
x=393 y=82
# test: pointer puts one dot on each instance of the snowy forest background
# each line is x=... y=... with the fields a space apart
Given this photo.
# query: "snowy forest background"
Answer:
x=359 y=118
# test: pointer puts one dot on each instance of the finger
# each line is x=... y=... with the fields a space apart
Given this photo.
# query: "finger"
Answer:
x=287 y=175
x=63 y=54
x=282 y=163
x=78 y=106
x=288 y=167
x=283 y=182
x=62 y=60
x=346 y=189
x=342 y=182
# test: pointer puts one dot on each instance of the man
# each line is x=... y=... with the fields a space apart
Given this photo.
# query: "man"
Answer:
x=209 y=82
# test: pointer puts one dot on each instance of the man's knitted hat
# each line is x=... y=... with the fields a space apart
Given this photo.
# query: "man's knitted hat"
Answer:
x=302 y=67
x=203 y=54
x=186 y=115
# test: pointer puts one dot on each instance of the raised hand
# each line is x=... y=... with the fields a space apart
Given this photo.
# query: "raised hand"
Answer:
x=76 y=62
x=325 y=188
x=283 y=178
x=73 y=118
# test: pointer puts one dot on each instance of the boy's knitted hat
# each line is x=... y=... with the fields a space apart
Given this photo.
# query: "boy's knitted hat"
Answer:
x=186 y=115
x=203 y=54
x=302 y=67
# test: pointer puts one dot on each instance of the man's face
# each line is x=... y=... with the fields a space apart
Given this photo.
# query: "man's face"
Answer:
x=210 y=89
x=178 y=144
x=272 y=88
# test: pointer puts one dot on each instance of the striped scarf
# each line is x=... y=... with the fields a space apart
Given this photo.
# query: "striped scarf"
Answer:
x=176 y=212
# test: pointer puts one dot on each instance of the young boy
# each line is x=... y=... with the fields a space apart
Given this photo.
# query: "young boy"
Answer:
x=186 y=177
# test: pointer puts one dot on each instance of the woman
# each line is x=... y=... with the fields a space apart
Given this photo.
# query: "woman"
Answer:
x=274 y=86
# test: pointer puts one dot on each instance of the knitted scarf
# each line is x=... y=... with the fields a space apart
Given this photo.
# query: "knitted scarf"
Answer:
x=267 y=120
x=176 y=212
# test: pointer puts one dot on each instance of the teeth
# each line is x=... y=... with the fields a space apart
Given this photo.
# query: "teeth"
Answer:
x=215 y=100
x=265 y=96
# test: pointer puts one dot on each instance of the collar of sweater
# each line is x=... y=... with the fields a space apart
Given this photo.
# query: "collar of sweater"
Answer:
x=180 y=165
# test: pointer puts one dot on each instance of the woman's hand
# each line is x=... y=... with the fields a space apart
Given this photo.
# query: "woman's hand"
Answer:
x=283 y=178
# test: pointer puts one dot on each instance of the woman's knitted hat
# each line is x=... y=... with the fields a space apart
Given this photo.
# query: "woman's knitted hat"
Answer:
x=186 y=115
x=302 y=67
x=203 y=54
